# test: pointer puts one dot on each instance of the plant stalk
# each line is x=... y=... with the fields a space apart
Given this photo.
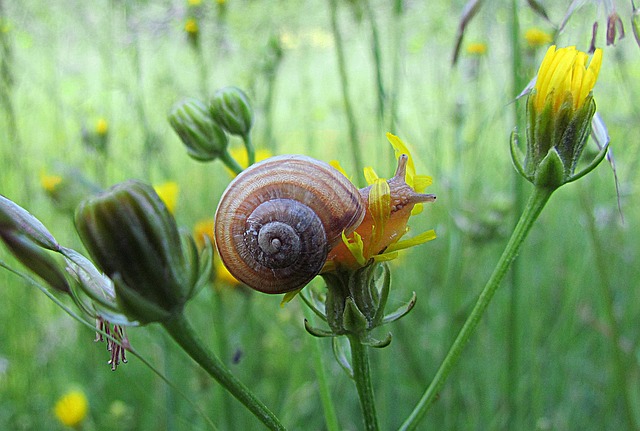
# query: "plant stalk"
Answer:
x=362 y=378
x=183 y=334
x=532 y=210
x=344 y=81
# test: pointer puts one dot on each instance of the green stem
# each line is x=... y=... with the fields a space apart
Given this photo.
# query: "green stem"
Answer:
x=251 y=151
x=534 y=206
x=230 y=162
x=377 y=59
x=348 y=108
x=514 y=279
x=183 y=334
x=221 y=340
x=330 y=417
x=362 y=377
x=602 y=266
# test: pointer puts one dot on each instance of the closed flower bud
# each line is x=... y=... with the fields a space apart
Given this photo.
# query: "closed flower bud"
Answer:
x=204 y=138
x=36 y=259
x=231 y=108
x=559 y=113
x=134 y=239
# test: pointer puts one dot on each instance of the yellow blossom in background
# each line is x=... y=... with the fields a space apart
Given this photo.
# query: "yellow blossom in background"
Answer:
x=71 y=409
x=102 y=127
x=477 y=49
x=191 y=26
x=168 y=192
x=194 y=2
x=564 y=73
x=536 y=37
x=50 y=182
x=221 y=1
x=203 y=230
x=239 y=154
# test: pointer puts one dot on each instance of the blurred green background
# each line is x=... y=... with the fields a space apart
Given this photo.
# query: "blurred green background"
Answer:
x=543 y=355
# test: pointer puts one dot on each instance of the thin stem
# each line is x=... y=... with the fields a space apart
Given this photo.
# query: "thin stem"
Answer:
x=534 y=206
x=602 y=266
x=251 y=151
x=344 y=81
x=183 y=334
x=330 y=417
x=362 y=377
x=231 y=163
x=514 y=279
x=377 y=60
x=221 y=341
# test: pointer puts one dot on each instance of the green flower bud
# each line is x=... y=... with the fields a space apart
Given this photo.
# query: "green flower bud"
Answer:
x=204 y=138
x=14 y=217
x=231 y=108
x=35 y=258
x=135 y=241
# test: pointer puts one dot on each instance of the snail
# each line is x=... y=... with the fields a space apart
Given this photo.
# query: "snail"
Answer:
x=277 y=221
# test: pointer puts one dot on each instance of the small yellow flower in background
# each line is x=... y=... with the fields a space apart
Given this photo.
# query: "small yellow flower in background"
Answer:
x=389 y=206
x=564 y=76
x=191 y=26
x=71 y=409
x=102 y=127
x=202 y=230
x=536 y=37
x=221 y=1
x=50 y=182
x=477 y=49
x=239 y=154
x=168 y=192
x=194 y=2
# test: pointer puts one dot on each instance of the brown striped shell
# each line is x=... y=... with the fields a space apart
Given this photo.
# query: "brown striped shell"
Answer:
x=278 y=219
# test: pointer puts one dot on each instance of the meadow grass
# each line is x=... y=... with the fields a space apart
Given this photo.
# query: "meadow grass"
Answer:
x=74 y=62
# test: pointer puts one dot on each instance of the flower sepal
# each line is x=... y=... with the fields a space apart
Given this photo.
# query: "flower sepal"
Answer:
x=550 y=172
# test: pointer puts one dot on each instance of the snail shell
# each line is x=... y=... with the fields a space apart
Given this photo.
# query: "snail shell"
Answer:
x=278 y=219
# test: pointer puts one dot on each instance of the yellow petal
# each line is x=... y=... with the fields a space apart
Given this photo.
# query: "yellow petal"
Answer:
x=168 y=192
x=288 y=297
x=370 y=175
x=337 y=166
x=385 y=257
x=416 y=240
x=400 y=148
x=379 y=207
x=356 y=247
x=421 y=182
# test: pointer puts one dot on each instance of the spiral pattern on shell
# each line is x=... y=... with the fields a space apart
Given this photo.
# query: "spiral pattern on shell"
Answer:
x=278 y=219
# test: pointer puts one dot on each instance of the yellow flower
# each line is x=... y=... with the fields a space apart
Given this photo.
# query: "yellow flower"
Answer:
x=239 y=154
x=194 y=2
x=168 y=192
x=191 y=26
x=477 y=49
x=221 y=1
x=102 y=127
x=389 y=205
x=202 y=230
x=50 y=182
x=536 y=37
x=564 y=76
x=71 y=409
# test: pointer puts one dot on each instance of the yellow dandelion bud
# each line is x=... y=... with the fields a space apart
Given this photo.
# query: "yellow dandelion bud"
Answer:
x=536 y=37
x=564 y=72
x=168 y=192
x=477 y=49
x=71 y=409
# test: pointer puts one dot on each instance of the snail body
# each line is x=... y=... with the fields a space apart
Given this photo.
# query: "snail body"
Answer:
x=278 y=219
